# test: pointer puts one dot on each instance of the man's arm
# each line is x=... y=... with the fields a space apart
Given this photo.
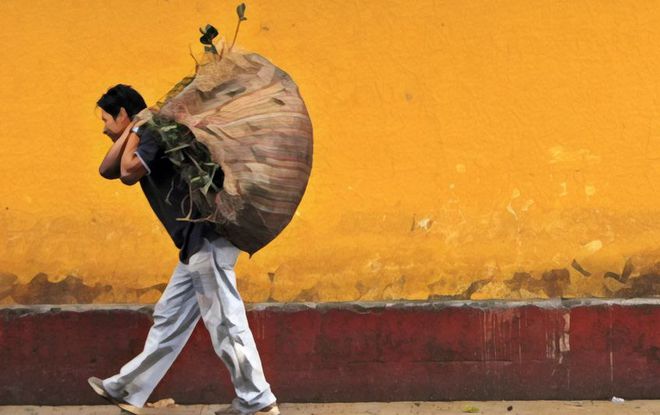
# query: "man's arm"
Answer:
x=109 y=167
x=131 y=167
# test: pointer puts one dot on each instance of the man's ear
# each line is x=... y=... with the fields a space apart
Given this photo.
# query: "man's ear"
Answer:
x=123 y=115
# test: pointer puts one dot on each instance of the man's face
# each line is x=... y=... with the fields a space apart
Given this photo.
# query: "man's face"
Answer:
x=114 y=127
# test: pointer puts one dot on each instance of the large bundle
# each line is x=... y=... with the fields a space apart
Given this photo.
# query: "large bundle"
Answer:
x=252 y=121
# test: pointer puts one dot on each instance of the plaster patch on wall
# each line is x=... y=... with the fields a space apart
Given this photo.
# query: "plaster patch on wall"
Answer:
x=589 y=190
x=528 y=203
x=374 y=265
x=514 y=195
x=558 y=154
x=425 y=223
x=593 y=246
x=509 y=209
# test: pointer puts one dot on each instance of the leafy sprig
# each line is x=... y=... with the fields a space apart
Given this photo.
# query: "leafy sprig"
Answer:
x=193 y=162
x=240 y=11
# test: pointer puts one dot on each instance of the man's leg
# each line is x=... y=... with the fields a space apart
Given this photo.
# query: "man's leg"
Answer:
x=175 y=315
x=224 y=315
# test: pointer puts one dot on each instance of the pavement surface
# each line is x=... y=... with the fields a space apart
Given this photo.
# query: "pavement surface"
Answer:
x=388 y=408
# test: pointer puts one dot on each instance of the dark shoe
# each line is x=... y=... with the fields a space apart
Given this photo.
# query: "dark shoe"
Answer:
x=97 y=386
x=271 y=409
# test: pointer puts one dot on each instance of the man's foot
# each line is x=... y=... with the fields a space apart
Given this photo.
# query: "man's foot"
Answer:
x=97 y=386
x=271 y=409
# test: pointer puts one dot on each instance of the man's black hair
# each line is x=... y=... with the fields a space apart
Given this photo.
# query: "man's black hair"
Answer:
x=119 y=96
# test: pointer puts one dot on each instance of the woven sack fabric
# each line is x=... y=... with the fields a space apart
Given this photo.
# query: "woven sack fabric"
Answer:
x=250 y=116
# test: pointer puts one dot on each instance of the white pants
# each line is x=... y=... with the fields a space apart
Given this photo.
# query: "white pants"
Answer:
x=205 y=287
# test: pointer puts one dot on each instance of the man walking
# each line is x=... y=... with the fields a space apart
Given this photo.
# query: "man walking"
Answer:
x=203 y=283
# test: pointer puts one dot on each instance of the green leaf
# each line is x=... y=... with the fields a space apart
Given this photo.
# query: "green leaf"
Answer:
x=177 y=148
x=177 y=157
x=196 y=183
x=240 y=10
x=209 y=183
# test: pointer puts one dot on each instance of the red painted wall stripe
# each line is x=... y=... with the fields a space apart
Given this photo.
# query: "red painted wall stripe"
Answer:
x=488 y=350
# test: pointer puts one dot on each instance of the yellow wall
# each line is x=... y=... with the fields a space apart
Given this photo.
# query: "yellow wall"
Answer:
x=462 y=148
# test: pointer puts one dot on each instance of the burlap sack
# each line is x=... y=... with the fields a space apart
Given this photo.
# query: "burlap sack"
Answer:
x=251 y=117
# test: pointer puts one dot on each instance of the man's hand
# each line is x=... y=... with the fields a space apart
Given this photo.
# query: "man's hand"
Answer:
x=127 y=130
x=110 y=166
x=131 y=168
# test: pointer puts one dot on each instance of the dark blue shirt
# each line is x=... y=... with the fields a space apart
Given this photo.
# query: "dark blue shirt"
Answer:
x=163 y=179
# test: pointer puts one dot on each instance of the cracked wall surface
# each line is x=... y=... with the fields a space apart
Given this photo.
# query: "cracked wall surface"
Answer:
x=461 y=150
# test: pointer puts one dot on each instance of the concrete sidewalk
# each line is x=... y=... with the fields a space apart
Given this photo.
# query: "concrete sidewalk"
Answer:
x=393 y=408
